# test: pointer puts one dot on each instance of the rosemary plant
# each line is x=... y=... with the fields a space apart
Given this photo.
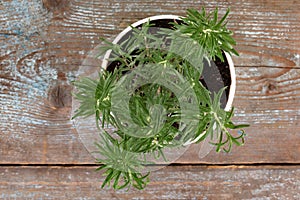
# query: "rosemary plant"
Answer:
x=151 y=110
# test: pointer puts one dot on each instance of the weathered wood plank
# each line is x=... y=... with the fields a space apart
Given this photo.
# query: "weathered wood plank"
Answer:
x=267 y=31
x=269 y=101
x=188 y=182
x=42 y=46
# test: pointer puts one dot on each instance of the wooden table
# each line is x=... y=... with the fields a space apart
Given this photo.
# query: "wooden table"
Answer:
x=43 y=42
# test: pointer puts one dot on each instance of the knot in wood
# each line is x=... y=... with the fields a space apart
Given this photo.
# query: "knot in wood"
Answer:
x=60 y=96
x=269 y=87
x=55 y=5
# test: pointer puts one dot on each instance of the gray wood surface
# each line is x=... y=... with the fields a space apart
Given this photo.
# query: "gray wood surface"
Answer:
x=42 y=45
x=184 y=182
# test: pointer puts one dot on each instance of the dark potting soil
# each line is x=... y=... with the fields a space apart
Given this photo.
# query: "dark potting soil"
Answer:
x=215 y=75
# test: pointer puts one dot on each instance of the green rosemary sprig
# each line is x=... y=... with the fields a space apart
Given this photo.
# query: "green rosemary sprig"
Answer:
x=211 y=34
x=123 y=155
x=121 y=166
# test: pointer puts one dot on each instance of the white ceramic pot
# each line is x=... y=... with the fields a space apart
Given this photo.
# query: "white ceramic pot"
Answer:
x=86 y=127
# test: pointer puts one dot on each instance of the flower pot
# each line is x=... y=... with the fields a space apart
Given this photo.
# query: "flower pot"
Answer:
x=214 y=77
x=86 y=126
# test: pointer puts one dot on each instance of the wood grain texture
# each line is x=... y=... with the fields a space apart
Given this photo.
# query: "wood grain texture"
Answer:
x=276 y=128
x=43 y=43
x=188 y=182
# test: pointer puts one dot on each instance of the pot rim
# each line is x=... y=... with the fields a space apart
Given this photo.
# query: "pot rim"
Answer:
x=157 y=17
